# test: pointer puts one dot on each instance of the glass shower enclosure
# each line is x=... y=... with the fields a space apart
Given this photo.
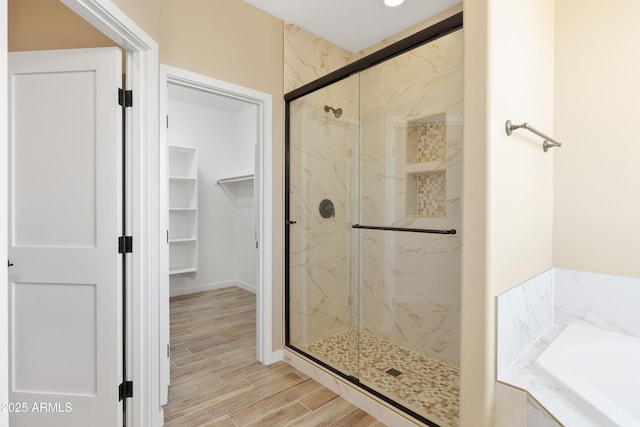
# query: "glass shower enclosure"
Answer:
x=374 y=170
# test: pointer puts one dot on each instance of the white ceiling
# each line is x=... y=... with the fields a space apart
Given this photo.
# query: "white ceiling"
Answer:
x=353 y=24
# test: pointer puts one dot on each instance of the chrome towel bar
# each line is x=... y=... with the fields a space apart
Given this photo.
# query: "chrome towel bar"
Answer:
x=546 y=144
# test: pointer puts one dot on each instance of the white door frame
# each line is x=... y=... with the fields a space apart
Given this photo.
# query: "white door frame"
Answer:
x=142 y=78
x=4 y=302
x=263 y=102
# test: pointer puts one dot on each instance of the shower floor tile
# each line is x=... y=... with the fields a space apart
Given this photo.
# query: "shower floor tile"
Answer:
x=424 y=385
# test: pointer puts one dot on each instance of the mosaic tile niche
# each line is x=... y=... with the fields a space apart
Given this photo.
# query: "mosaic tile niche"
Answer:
x=430 y=194
x=427 y=139
x=426 y=147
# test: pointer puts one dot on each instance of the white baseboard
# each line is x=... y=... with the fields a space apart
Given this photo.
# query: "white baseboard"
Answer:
x=210 y=287
x=246 y=286
x=276 y=356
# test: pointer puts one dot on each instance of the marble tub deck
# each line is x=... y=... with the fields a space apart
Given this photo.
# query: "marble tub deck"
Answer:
x=424 y=385
x=523 y=375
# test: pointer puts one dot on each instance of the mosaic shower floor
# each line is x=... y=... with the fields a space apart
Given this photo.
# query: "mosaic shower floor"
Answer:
x=424 y=385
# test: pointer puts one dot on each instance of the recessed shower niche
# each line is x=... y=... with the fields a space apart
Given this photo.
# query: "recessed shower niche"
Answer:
x=373 y=293
x=427 y=194
x=427 y=139
x=431 y=147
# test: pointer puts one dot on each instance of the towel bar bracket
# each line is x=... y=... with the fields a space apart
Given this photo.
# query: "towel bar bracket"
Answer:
x=546 y=144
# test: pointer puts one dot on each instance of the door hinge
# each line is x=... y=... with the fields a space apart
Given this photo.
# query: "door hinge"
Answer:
x=125 y=244
x=125 y=98
x=125 y=390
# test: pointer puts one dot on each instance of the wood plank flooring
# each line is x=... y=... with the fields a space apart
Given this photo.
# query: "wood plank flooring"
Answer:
x=216 y=381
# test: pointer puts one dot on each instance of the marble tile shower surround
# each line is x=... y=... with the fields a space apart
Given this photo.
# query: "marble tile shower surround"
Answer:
x=402 y=96
x=410 y=283
x=409 y=292
x=321 y=155
x=308 y=57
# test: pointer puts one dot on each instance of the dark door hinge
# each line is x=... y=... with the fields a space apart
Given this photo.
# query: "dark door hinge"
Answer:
x=125 y=98
x=125 y=390
x=125 y=244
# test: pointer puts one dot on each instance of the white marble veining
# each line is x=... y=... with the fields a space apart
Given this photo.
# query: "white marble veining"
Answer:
x=523 y=375
x=409 y=292
x=408 y=284
x=321 y=167
x=400 y=287
x=603 y=301
x=537 y=416
x=308 y=57
x=524 y=313
x=510 y=406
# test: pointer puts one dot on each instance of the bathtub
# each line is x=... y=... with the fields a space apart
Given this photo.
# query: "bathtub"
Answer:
x=598 y=370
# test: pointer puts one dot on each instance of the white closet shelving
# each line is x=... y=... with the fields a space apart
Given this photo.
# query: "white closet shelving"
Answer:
x=183 y=210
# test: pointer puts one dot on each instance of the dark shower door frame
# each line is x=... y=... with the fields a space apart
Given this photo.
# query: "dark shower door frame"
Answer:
x=434 y=32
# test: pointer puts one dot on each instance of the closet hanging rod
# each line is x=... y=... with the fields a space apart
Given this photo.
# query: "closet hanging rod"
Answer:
x=546 y=144
x=234 y=179
x=409 y=230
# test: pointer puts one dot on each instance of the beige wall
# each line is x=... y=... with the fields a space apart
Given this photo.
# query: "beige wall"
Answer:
x=225 y=39
x=476 y=380
x=508 y=194
x=145 y=13
x=48 y=24
x=596 y=226
x=233 y=41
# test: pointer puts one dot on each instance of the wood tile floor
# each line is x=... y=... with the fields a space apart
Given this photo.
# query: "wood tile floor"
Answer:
x=216 y=381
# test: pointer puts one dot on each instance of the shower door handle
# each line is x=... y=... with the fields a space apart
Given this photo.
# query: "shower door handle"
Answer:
x=291 y=222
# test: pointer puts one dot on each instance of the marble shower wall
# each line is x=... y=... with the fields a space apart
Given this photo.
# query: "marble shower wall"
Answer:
x=410 y=284
x=411 y=171
x=322 y=155
x=308 y=57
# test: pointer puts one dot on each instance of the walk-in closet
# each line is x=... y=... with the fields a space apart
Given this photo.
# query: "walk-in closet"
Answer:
x=211 y=142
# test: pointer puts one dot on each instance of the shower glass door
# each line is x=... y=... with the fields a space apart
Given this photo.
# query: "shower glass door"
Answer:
x=323 y=262
x=410 y=173
x=374 y=233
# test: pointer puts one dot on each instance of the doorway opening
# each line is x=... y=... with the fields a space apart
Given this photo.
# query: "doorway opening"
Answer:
x=215 y=197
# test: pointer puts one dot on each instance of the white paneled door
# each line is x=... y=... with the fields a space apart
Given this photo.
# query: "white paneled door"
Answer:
x=65 y=216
